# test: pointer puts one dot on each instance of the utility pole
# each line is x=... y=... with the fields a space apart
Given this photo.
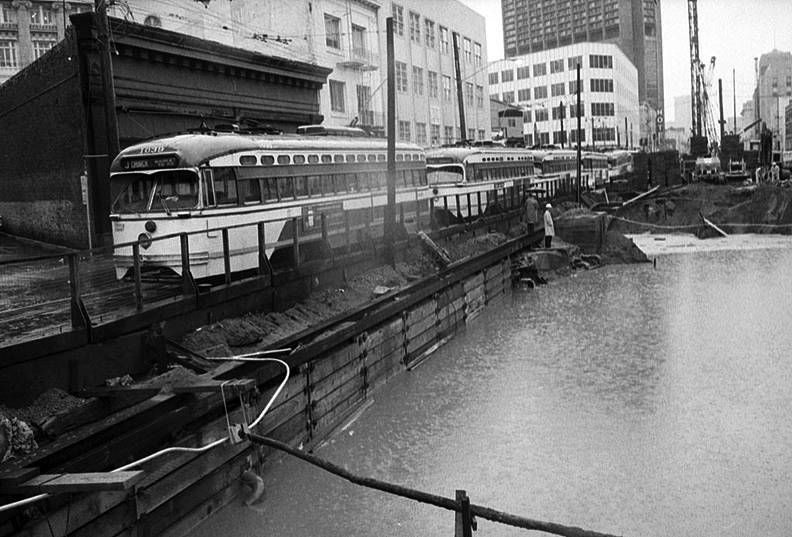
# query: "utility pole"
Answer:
x=734 y=100
x=108 y=87
x=561 y=116
x=625 y=133
x=457 y=69
x=390 y=208
x=579 y=162
x=721 y=121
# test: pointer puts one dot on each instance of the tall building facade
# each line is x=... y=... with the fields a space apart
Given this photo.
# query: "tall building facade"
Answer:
x=29 y=28
x=531 y=26
x=544 y=85
x=773 y=93
x=348 y=36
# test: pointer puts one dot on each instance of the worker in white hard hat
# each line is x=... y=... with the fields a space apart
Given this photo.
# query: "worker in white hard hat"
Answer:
x=549 y=227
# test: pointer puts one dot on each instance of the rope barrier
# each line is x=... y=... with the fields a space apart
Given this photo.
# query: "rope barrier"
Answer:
x=425 y=497
x=697 y=226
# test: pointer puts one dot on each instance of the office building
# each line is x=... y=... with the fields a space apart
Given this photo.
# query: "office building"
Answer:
x=29 y=29
x=544 y=85
x=348 y=36
x=531 y=26
x=773 y=92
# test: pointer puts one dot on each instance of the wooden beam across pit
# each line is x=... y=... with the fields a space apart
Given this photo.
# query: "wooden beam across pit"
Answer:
x=82 y=482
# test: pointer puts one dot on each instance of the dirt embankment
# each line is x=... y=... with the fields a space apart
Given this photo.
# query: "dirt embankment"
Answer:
x=735 y=208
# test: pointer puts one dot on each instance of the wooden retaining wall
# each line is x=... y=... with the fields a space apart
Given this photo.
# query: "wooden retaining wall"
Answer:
x=178 y=491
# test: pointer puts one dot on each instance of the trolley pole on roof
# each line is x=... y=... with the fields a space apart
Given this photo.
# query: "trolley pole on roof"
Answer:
x=390 y=208
x=579 y=133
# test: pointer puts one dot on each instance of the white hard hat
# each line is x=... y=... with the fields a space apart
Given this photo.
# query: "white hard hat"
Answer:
x=548 y=206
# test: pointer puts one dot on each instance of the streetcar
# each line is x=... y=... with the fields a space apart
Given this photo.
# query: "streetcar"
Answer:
x=620 y=165
x=468 y=181
x=318 y=185
x=594 y=168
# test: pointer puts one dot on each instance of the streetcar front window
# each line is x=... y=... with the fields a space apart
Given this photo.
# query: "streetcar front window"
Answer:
x=164 y=191
x=445 y=174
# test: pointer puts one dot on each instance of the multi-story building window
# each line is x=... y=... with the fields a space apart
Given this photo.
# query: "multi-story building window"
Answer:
x=398 y=19
x=401 y=77
x=600 y=61
x=507 y=76
x=572 y=111
x=42 y=43
x=448 y=135
x=523 y=72
x=558 y=112
x=557 y=66
x=358 y=40
x=602 y=85
x=524 y=94
x=526 y=116
x=332 y=31
x=41 y=14
x=404 y=131
x=479 y=96
x=365 y=114
x=481 y=134
x=471 y=134
x=444 y=46
x=446 y=88
x=429 y=30
x=540 y=92
x=573 y=87
x=539 y=69
x=573 y=62
x=603 y=109
x=337 y=97
x=573 y=136
x=493 y=78
x=559 y=137
x=469 y=93
x=415 y=27
x=476 y=53
x=420 y=133
x=508 y=97
x=8 y=53
x=7 y=12
x=435 y=134
x=557 y=89
x=467 y=50
x=541 y=114
x=434 y=87
x=418 y=81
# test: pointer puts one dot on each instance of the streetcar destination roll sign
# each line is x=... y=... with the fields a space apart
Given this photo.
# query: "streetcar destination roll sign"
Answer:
x=149 y=162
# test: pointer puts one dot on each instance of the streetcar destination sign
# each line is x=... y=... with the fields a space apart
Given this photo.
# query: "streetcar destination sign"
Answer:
x=149 y=162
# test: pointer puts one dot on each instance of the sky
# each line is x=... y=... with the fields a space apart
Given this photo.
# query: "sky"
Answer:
x=734 y=31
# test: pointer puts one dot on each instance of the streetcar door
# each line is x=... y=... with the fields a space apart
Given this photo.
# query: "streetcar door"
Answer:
x=208 y=197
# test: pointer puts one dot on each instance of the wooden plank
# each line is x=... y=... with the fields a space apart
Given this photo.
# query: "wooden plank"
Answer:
x=351 y=372
x=93 y=410
x=81 y=482
x=421 y=327
x=82 y=510
x=713 y=226
x=17 y=476
x=119 y=391
x=203 y=511
x=231 y=388
x=110 y=523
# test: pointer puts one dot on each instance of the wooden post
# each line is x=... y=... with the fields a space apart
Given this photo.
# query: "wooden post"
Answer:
x=264 y=264
x=136 y=271
x=78 y=313
x=347 y=232
x=417 y=214
x=432 y=222
x=478 y=195
x=226 y=256
x=458 y=208
x=187 y=281
x=324 y=227
x=296 y=241
x=464 y=518
x=470 y=208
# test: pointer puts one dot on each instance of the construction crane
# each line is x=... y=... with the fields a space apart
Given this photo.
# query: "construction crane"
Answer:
x=698 y=140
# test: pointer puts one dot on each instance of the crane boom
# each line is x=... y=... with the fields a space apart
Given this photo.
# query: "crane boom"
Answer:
x=695 y=68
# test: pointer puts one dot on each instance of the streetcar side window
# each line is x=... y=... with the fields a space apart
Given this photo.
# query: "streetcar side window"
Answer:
x=301 y=187
x=269 y=187
x=225 y=186
x=285 y=188
x=209 y=197
x=249 y=190
x=315 y=185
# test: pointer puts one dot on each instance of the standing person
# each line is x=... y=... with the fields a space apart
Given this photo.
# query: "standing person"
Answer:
x=531 y=214
x=549 y=227
x=775 y=173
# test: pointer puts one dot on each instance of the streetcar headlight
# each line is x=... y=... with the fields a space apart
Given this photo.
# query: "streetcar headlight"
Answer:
x=434 y=191
x=151 y=226
x=145 y=240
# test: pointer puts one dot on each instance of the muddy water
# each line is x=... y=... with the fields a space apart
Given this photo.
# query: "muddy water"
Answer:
x=631 y=400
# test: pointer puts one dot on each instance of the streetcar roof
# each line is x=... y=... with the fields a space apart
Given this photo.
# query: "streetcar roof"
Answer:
x=457 y=155
x=195 y=149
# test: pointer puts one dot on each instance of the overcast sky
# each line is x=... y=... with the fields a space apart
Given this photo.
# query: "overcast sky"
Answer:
x=734 y=31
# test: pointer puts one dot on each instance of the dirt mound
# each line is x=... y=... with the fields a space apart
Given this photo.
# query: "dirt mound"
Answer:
x=620 y=249
x=49 y=403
